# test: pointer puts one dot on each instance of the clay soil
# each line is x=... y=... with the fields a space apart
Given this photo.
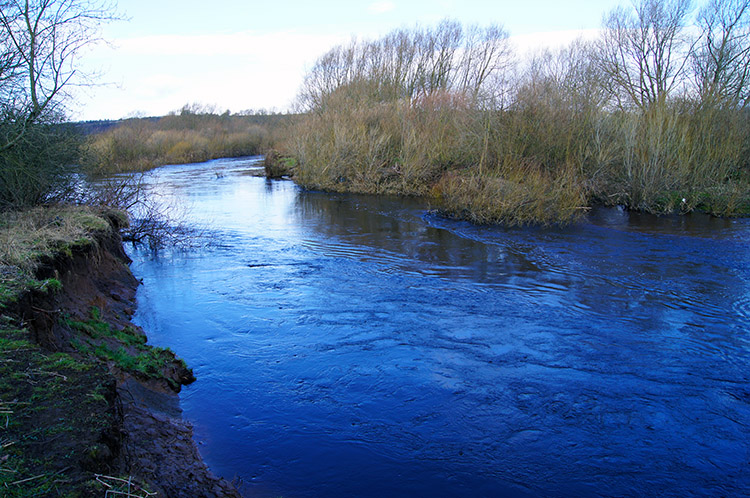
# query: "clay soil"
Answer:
x=79 y=413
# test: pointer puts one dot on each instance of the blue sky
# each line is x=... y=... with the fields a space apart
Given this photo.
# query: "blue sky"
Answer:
x=240 y=55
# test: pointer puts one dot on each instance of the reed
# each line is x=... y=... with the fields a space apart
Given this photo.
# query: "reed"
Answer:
x=524 y=194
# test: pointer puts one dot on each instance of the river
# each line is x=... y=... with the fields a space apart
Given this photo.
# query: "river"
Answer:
x=360 y=346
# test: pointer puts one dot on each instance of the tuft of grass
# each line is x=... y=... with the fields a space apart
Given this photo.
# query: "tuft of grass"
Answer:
x=148 y=362
x=96 y=328
x=64 y=361
x=28 y=237
x=277 y=166
x=517 y=198
x=126 y=348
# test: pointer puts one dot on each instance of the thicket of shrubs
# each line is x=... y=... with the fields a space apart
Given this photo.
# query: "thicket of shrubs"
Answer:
x=651 y=116
x=38 y=168
x=194 y=134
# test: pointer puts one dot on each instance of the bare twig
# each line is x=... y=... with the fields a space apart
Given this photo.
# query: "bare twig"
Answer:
x=133 y=490
x=54 y=374
x=15 y=483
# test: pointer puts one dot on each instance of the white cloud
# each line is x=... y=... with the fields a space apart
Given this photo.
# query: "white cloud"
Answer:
x=236 y=71
x=381 y=7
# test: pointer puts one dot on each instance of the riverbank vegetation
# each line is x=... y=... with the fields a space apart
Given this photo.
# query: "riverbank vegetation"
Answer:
x=61 y=416
x=40 y=43
x=194 y=134
x=28 y=237
x=60 y=425
x=653 y=115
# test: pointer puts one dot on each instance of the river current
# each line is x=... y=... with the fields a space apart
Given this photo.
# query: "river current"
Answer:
x=359 y=346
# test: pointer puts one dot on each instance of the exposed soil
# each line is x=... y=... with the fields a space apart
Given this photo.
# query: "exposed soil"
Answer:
x=71 y=412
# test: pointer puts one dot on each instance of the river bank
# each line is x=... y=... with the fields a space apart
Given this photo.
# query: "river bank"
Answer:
x=87 y=405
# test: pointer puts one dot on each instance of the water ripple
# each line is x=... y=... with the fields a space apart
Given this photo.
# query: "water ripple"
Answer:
x=356 y=346
x=742 y=307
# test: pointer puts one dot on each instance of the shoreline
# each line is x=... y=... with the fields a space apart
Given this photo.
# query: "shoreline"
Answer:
x=111 y=417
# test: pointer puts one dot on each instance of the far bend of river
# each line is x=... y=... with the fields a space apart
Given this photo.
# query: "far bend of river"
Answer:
x=355 y=346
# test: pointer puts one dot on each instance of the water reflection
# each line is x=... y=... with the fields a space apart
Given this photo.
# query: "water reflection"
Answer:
x=361 y=346
x=366 y=227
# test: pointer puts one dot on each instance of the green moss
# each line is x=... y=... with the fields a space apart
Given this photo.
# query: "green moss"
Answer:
x=126 y=348
x=97 y=328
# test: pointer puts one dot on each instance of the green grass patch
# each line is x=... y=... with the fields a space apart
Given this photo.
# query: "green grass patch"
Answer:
x=97 y=328
x=148 y=363
x=125 y=347
x=64 y=361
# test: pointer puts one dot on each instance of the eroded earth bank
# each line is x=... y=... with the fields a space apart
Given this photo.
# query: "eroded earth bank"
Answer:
x=86 y=405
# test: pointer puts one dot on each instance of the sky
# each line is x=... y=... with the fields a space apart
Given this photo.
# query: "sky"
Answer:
x=239 y=55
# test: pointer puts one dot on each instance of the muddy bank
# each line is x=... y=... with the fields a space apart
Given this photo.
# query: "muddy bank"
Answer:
x=115 y=400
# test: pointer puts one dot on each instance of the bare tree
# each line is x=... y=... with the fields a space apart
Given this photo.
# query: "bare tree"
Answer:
x=39 y=55
x=485 y=53
x=40 y=45
x=411 y=64
x=722 y=59
x=9 y=65
x=644 y=50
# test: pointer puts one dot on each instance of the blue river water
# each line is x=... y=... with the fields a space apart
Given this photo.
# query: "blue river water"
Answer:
x=357 y=346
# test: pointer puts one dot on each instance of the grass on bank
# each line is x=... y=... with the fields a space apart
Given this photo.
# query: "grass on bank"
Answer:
x=56 y=417
x=26 y=237
x=532 y=164
x=54 y=411
x=126 y=348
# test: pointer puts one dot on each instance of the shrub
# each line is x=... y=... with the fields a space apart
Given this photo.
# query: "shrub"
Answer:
x=560 y=132
x=191 y=136
x=38 y=168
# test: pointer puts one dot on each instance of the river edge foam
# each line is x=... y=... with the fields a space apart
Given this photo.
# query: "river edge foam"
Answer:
x=139 y=433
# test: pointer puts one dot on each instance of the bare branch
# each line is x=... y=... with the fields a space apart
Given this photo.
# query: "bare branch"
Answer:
x=643 y=52
x=721 y=63
x=41 y=41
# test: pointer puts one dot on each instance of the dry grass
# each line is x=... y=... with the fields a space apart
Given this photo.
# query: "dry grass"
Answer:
x=142 y=144
x=115 y=486
x=554 y=145
x=524 y=195
x=26 y=235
